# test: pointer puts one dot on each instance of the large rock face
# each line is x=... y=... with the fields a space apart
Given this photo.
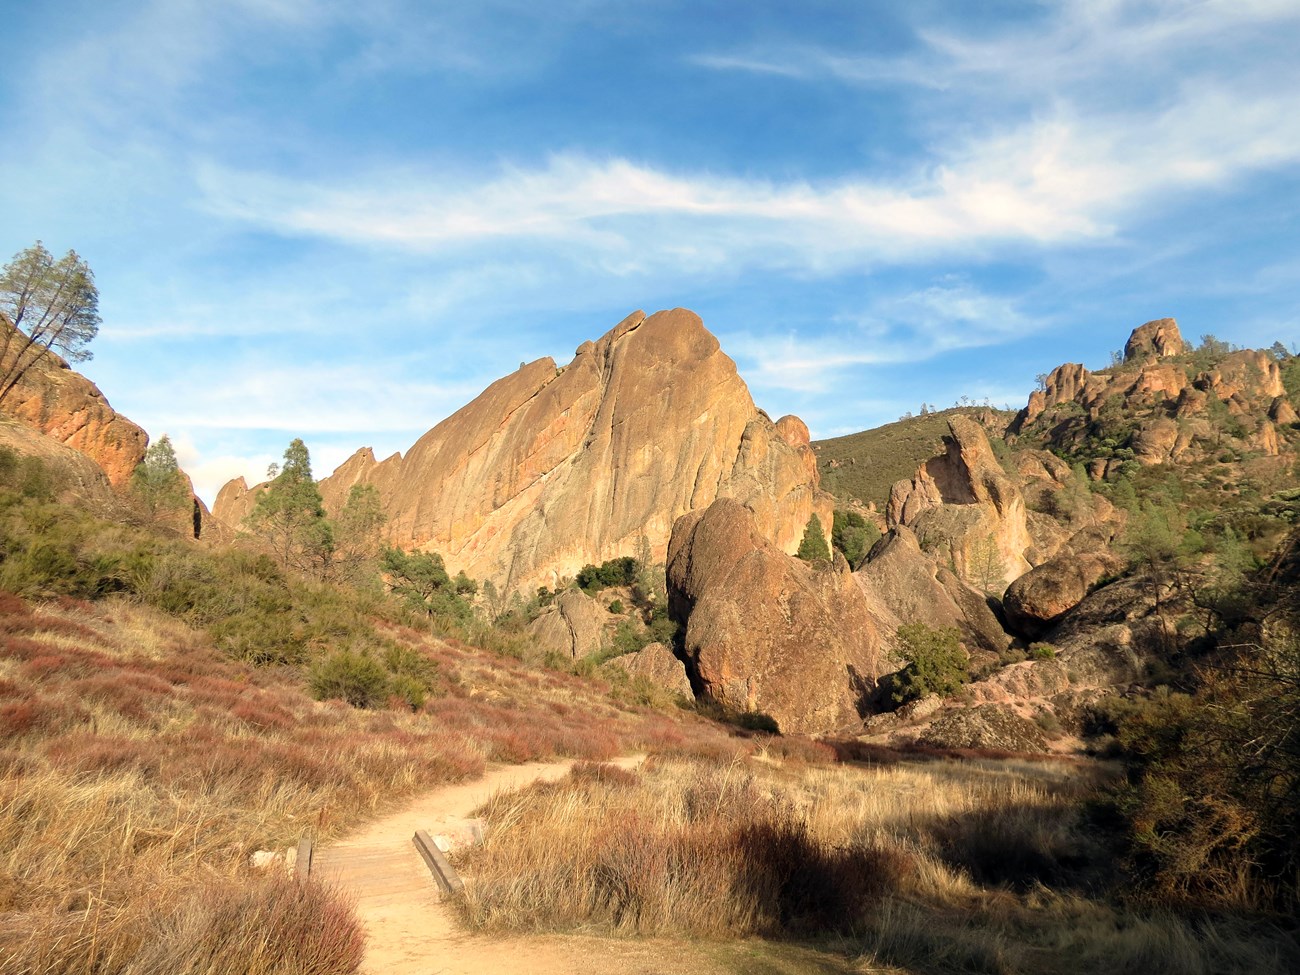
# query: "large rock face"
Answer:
x=963 y=505
x=1160 y=338
x=766 y=632
x=903 y=585
x=70 y=409
x=553 y=468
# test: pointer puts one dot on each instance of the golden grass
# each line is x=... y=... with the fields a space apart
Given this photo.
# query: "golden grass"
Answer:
x=139 y=769
x=937 y=867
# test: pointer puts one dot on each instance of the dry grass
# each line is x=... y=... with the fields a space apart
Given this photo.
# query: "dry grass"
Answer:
x=937 y=867
x=139 y=768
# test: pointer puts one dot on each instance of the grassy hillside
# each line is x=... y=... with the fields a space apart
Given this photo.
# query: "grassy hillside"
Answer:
x=864 y=466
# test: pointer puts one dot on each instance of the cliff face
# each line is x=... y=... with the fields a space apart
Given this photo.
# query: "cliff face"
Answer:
x=552 y=468
x=67 y=407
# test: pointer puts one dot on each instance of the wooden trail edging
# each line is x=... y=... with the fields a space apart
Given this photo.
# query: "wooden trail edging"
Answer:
x=439 y=866
x=302 y=865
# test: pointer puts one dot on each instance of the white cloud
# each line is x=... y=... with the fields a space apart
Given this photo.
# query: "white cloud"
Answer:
x=908 y=328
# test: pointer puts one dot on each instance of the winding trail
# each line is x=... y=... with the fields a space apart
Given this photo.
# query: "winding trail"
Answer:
x=410 y=932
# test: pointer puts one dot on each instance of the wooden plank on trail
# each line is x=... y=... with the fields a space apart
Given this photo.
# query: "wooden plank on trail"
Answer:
x=303 y=864
x=443 y=872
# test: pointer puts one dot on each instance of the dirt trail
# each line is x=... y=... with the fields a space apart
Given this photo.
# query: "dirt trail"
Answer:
x=409 y=932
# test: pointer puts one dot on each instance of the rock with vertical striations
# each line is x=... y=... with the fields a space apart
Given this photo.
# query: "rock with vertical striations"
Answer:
x=553 y=468
x=766 y=632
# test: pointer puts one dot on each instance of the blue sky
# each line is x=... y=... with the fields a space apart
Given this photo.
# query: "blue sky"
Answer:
x=340 y=221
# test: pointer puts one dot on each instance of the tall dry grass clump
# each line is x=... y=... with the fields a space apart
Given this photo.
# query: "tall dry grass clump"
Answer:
x=944 y=866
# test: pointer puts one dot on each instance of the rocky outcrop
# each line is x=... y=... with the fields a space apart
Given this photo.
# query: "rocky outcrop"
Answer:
x=74 y=470
x=235 y=502
x=1039 y=599
x=574 y=626
x=987 y=726
x=1159 y=338
x=67 y=407
x=903 y=585
x=965 y=509
x=552 y=468
x=766 y=632
x=656 y=664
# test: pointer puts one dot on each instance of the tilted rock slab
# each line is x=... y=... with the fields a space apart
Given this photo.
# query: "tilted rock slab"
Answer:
x=552 y=468
x=765 y=631
x=656 y=663
x=574 y=626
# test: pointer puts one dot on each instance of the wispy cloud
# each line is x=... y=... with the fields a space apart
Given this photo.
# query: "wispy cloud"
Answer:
x=1057 y=179
x=907 y=328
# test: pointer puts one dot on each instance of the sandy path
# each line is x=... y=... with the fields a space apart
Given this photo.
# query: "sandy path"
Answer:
x=409 y=932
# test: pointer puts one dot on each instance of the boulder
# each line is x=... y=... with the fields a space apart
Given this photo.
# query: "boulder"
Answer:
x=574 y=625
x=765 y=631
x=1159 y=338
x=990 y=726
x=902 y=585
x=1038 y=600
x=552 y=468
x=656 y=664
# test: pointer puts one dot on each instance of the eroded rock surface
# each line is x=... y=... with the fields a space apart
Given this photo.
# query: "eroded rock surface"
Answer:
x=552 y=468
x=68 y=408
x=656 y=664
x=766 y=632
x=574 y=626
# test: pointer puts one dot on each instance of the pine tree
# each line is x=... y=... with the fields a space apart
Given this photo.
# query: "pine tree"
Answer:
x=813 y=548
x=49 y=304
x=290 y=516
x=158 y=481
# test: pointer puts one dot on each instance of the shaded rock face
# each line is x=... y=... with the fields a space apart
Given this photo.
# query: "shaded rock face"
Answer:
x=963 y=504
x=575 y=625
x=766 y=632
x=67 y=407
x=656 y=664
x=903 y=585
x=550 y=469
x=1159 y=338
x=986 y=726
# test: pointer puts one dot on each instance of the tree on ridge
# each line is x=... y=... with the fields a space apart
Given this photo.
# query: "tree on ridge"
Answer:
x=48 y=305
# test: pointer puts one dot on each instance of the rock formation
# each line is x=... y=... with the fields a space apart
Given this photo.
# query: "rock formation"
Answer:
x=574 y=626
x=656 y=664
x=67 y=407
x=903 y=585
x=552 y=468
x=766 y=632
x=1160 y=338
x=963 y=504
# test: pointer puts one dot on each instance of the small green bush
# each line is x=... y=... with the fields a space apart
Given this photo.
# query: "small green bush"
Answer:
x=358 y=679
x=936 y=663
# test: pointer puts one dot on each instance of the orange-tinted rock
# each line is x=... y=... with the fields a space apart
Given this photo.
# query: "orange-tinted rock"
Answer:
x=766 y=632
x=964 y=504
x=1159 y=338
x=550 y=469
x=1248 y=375
x=67 y=407
x=1281 y=411
x=574 y=626
x=1042 y=597
x=902 y=585
x=656 y=664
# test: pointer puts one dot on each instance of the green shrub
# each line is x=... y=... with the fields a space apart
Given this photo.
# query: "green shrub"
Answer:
x=355 y=678
x=936 y=663
x=813 y=547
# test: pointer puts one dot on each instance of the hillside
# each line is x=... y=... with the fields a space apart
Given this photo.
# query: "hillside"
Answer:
x=864 y=466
